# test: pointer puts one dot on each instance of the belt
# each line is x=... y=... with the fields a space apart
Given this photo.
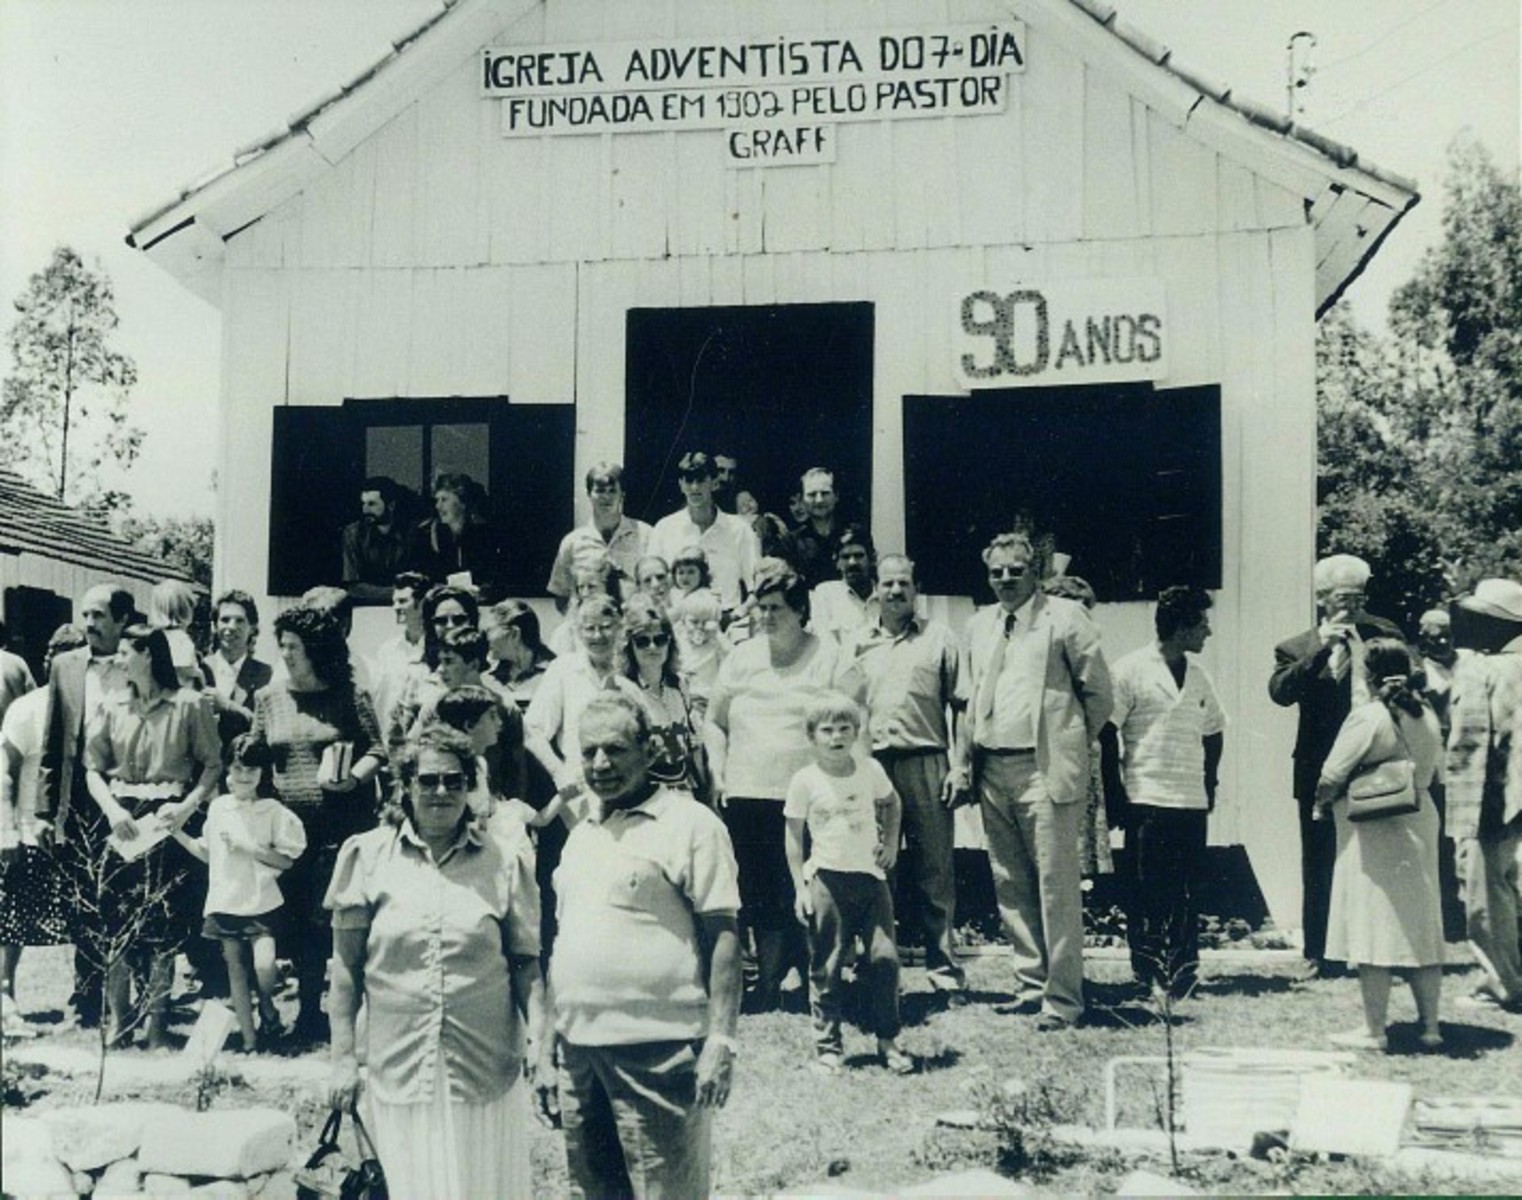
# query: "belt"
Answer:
x=999 y=752
x=892 y=752
x=148 y=791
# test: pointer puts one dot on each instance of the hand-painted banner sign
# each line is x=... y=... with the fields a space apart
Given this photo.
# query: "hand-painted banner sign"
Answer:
x=637 y=87
x=1067 y=331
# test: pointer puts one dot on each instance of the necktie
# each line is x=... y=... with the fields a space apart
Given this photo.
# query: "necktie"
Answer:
x=990 y=678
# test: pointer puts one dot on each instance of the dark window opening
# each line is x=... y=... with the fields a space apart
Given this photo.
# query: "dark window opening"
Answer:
x=521 y=456
x=1124 y=479
x=781 y=387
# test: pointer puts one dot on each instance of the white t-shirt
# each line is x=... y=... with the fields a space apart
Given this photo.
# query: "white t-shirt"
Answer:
x=239 y=885
x=841 y=814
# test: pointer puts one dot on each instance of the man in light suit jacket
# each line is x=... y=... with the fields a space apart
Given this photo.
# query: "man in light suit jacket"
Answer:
x=1038 y=693
x=1314 y=670
x=80 y=680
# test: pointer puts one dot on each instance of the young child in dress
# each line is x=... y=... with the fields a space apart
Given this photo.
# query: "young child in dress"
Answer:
x=700 y=646
x=249 y=838
x=851 y=814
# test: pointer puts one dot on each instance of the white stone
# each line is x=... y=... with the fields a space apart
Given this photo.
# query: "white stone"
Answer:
x=36 y=1178
x=121 y=1178
x=968 y=1183
x=83 y=1182
x=26 y=1140
x=87 y=1139
x=230 y=1144
x=165 y=1185
x=1145 y=1183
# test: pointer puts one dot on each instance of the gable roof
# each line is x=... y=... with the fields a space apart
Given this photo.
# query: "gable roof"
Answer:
x=1352 y=204
x=32 y=522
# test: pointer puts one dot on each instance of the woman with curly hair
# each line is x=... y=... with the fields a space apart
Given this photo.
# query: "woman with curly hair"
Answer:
x=1386 y=910
x=326 y=746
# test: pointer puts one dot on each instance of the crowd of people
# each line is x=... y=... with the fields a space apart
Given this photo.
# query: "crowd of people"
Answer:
x=550 y=870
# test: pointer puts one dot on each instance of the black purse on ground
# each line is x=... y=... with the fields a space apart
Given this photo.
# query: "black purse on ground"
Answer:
x=328 y=1176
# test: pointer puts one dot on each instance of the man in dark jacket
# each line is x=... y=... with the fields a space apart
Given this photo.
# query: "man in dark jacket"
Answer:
x=1314 y=670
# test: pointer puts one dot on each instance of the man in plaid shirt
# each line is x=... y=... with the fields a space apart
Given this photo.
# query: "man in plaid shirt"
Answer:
x=1485 y=788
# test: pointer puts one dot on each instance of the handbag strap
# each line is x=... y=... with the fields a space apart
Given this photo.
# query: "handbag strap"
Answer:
x=361 y=1134
x=327 y=1140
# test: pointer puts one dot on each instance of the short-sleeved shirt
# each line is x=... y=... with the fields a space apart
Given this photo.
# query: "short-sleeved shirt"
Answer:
x=169 y=740
x=24 y=730
x=911 y=678
x=729 y=544
x=628 y=967
x=394 y=662
x=436 y=958
x=762 y=707
x=238 y=884
x=569 y=685
x=15 y=679
x=1161 y=726
x=838 y=612
x=841 y=814
x=625 y=548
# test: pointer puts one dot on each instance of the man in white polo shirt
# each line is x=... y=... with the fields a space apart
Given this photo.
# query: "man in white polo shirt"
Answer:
x=645 y=978
x=1166 y=733
x=728 y=541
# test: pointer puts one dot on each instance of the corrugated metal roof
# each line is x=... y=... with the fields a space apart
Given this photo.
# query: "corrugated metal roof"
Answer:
x=35 y=523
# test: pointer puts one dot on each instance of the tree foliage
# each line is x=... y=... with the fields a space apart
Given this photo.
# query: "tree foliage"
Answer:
x=64 y=401
x=183 y=542
x=1420 y=433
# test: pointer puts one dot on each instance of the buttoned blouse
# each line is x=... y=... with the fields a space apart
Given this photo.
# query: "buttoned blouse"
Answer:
x=168 y=740
x=436 y=975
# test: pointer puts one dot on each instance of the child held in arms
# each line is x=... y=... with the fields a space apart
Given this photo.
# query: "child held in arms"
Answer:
x=850 y=812
x=696 y=621
x=248 y=839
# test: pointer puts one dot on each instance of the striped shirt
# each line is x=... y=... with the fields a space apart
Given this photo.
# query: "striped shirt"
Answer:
x=1161 y=728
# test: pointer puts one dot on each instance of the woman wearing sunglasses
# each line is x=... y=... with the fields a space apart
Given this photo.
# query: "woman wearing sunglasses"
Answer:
x=652 y=661
x=436 y=931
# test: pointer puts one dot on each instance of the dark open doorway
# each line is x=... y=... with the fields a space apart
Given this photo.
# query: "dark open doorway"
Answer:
x=782 y=387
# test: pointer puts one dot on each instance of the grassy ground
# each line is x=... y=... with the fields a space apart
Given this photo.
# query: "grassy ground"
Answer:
x=789 y=1127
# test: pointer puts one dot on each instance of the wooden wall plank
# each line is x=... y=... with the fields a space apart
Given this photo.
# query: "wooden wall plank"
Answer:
x=436 y=347
x=641 y=189
x=397 y=193
x=543 y=354
x=323 y=307
x=383 y=320
x=861 y=208
x=577 y=195
x=1183 y=181
x=797 y=208
x=485 y=304
x=1237 y=199
x=337 y=211
x=1110 y=208
x=517 y=179
x=449 y=177
x=1051 y=106
x=699 y=223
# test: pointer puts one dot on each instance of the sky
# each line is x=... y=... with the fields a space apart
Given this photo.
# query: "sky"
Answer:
x=108 y=108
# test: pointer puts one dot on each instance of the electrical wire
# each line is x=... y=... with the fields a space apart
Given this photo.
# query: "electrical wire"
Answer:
x=1400 y=83
x=1384 y=37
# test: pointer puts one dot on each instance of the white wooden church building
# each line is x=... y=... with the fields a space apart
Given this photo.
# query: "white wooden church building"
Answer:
x=992 y=260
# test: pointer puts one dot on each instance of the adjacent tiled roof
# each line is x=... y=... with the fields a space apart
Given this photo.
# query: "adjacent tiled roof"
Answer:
x=32 y=522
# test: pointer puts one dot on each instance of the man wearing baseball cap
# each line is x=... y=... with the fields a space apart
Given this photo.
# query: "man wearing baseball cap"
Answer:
x=1485 y=785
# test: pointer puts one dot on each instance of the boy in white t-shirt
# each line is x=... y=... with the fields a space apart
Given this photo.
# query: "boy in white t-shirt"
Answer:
x=851 y=814
x=247 y=841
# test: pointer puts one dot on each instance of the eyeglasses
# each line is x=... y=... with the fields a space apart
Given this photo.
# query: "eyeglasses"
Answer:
x=647 y=641
x=452 y=619
x=449 y=781
x=1008 y=572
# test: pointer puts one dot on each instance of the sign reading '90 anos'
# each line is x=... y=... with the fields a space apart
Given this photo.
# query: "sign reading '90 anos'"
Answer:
x=1061 y=332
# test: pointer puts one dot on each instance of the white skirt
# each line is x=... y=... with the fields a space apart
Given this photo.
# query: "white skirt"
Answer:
x=454 y=1151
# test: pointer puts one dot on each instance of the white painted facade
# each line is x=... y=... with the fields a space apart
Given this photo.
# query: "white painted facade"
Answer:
x=401 y=246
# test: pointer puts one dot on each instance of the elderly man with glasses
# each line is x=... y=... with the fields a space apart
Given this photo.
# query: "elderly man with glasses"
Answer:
x=1038 y=693
x=1314 y=670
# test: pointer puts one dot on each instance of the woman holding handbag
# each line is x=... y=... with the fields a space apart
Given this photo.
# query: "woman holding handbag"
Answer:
x=1386 y=909
x=436 y=931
